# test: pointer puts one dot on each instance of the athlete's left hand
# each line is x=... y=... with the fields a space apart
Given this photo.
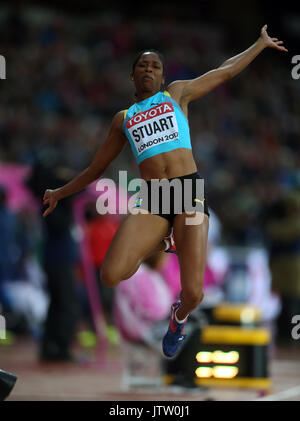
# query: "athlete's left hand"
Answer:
x=271 y=42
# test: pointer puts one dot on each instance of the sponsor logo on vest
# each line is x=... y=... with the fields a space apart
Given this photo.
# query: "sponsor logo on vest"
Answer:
x=143 y=116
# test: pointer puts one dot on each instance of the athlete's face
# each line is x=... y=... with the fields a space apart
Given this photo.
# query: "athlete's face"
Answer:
x=148 y=73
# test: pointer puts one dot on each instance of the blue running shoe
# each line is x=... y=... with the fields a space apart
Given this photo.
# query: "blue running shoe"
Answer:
x=174 y=337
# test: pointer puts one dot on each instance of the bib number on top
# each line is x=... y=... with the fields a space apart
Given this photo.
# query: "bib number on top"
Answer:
x=156 y=126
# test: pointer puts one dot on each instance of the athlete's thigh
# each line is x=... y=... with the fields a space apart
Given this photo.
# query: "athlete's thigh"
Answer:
x=191 y=246
x=136 y=236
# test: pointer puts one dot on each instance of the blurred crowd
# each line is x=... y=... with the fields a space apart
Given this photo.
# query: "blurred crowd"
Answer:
x=68 y=75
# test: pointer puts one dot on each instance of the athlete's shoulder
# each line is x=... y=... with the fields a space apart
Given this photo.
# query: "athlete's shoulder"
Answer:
x=128 y=110
x=167 y=93
x=175 y=89
x=118 y=120
x=120 y=116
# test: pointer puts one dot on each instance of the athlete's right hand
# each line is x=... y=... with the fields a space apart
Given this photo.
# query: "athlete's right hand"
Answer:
x=50 y=197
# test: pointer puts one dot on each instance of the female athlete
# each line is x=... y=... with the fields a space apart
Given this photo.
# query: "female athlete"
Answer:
x=158 y=114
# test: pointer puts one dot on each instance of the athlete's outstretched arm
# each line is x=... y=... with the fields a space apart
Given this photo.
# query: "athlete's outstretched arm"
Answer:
x=189 y=90
x=106 y=153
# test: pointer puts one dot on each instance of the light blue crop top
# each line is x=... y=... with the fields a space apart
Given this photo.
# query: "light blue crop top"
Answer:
x=156 y=125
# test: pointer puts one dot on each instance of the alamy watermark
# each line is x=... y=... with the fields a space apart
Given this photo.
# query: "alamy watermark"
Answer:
x=156 y=196
x=2 y=67
x=296 y=329
x=2 y=327
x=296 y=69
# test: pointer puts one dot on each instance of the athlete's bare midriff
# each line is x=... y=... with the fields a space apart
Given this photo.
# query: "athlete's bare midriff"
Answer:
x=171 y=164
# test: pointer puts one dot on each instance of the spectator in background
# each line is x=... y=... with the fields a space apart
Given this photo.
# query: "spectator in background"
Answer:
x=239 y=135
x=8 y=249
x=283 y=231
x=60 y=256
x=144 y=299
x=100 y=232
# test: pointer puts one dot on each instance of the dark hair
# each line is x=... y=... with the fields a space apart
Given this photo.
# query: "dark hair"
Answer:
x=149 y=50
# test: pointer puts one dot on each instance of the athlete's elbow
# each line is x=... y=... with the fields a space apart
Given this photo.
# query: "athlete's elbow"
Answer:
x=227 y=74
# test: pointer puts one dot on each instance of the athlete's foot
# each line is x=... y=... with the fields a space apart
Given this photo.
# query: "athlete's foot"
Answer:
x=170 y=243
x=174 y=336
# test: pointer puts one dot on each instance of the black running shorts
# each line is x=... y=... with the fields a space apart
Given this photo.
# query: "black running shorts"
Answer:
x=169 y=197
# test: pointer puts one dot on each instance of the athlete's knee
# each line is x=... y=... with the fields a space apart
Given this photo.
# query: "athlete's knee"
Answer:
x=194 y=296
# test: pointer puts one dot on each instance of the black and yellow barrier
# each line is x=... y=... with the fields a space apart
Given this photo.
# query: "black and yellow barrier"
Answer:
x=225 y=356
x=236 y=314
x=233 y=356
